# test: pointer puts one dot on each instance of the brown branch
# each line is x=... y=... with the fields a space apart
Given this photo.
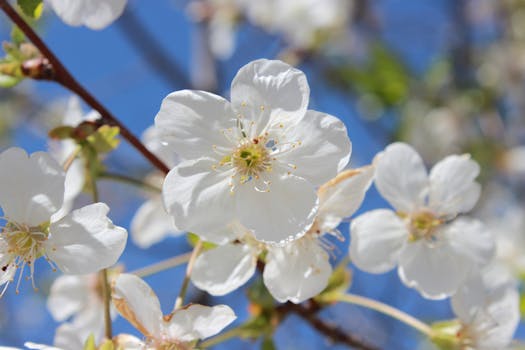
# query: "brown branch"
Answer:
x=62 y=76
x=308 y=312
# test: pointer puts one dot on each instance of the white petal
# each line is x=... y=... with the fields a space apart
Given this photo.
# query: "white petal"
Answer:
x=401 y=177
x=470 y=238
x=36 y=346
x=157 y=142
x=128 y=342
x=193 y=122
x=95 y=14
x=436 y=270
x=342 y=196
x=138 y=304
x=151 y=224
x=198 y=197
x=324 y=147
x=70 y=337
x=297 y=271
x=85 y=241
x=284 y=213
x=223 y=269
x=68 y=295
x=264 y=90
x=31 y=188
x=377 y=238
x=199 y=322
x=453 y=188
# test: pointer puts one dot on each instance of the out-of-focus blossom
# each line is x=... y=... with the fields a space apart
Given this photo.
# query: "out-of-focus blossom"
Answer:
x=256 y=159
x=298 y=270
x=94 y=14
x=151 y=223
x=434 y=249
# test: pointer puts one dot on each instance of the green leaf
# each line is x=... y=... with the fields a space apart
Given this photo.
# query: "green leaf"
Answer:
x=90 y=343
x=193 y=239
x=256 y=327
x=7 y=81
x=268 y=344
x=31 y=8
x=258 y=294
x=17 y=36
x=104 y=139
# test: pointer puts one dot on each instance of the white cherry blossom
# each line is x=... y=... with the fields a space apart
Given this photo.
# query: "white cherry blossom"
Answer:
x=296 y=271
x=94 y=14
x=256 y=159
x=181 y=329
x=151 y=223
x=435 y=250
x=31 y=192
x=487 y=307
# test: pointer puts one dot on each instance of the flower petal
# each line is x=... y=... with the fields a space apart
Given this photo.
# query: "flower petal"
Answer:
x=453 y=188
x=377 y=239
x=284 y=213
x=223 y=269
x=342 y=196
x=401 y=177
x=68 y=295
x=31 y=188
x=157 y=142
x=95 y=14
x=199 y=322
x=436 y=270
x=321 y=147
x=193 y=121
x=198 y=197
x=138 y=304
x=151 y=224
x=297 y=271
x=264 y=90
x=85 y=241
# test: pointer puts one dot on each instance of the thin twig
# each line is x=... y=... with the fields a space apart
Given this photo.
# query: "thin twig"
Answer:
x=62 y=76
x=180 y=299
x=163 y=265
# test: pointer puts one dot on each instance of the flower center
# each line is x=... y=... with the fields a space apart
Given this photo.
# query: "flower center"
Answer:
x=251 y=159
x=422 y=225
x=24 y=244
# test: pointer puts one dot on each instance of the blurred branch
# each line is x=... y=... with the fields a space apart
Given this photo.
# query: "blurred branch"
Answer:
x=308 y=312
x=61 y=75
x=153 y=53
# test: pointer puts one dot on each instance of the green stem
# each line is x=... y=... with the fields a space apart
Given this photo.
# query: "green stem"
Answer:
x=67 y=163
x=384 y=309
x=180 y=299
x=106 y=291
x=129 y=180
x=232 y=333
x=163 y=265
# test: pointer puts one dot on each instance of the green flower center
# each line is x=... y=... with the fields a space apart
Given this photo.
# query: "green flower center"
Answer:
x=251 y=159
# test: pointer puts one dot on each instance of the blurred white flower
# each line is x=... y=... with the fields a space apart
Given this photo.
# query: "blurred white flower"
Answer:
x=151 y=223
x=298 y=270
x=487 y=307
x=94 y=14
x=257 y=159
x=435 y=250
x=303 y=23
x=31 y=192
x=137 y=302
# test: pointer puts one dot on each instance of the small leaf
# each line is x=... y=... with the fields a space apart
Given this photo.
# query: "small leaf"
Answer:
x=31 y=8
x=258 y=294
x=193 y=239
x=268 y=344
x=90 y=343
x=7 y=81
x=104 y=139
x=61 y=132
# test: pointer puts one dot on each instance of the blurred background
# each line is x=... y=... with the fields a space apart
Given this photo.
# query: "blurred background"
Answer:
x=447 y=76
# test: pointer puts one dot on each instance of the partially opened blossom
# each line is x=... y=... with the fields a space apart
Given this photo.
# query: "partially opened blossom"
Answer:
x=257 y=159
x=297 y=270
x=31 y=192
x=488 y=312
x=181 y=329
x=435 y=249
x=151 y=223
x=94 y=14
